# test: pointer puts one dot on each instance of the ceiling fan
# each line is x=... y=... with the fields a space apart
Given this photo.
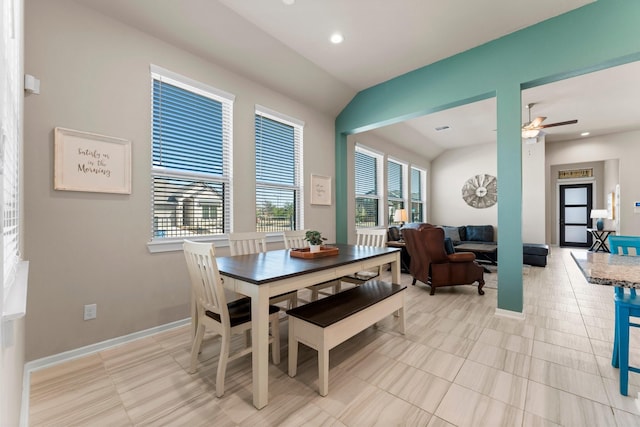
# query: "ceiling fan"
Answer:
x=533 y=129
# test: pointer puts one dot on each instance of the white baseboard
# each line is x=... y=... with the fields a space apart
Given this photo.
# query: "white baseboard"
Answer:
x=55 y=359
x=516 y=315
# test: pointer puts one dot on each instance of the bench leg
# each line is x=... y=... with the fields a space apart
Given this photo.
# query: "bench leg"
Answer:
x=403 y=320
x=293 y=349
x=323 y=370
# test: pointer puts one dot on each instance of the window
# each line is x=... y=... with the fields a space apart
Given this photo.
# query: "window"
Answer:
x=396 y=178
x=191 y=157
x=10 y=119
x=209 y=211
x=418 y=195
x=278 y=171
x=368 y=172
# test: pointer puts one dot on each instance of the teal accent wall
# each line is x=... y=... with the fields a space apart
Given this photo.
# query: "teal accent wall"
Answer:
x=602 y=34
x=341 y=187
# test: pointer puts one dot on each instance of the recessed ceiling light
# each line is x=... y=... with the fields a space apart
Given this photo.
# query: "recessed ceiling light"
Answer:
x=336 y=38
x=585 y=134
x=288 y=2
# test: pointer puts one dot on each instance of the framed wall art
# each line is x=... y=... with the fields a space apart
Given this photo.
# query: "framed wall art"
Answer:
x=320 y=190
x=90 y=162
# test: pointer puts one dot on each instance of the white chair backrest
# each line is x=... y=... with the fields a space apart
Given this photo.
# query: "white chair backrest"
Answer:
x=247 y=243
x=206 y=283
x=295 y=239
x=371 y=237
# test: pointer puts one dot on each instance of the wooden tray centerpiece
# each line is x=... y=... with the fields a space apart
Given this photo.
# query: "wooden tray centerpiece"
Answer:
x=306 y=252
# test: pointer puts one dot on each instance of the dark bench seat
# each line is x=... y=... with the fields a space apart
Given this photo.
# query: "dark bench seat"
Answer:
x=325 y=323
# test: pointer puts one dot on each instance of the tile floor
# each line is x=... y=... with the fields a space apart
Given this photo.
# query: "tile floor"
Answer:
x=457 y=365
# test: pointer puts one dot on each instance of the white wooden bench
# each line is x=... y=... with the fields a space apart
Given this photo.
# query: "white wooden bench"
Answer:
x=325 y=323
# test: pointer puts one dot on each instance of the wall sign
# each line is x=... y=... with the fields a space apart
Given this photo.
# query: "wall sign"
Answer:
x=575 y=173
x=320 y=190
x=90 y=162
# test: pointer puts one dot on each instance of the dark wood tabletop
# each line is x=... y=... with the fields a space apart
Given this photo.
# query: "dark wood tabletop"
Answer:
x=271 y=266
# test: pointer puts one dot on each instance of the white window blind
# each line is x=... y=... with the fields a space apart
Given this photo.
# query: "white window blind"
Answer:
x=10 y=93
x=279 y=183
x=191 y=157
x=418 y=195
x=396 y=178
x=368 y=172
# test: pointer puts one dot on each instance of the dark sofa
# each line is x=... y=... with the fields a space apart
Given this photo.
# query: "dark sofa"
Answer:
x=532 y=253
x=482 y=234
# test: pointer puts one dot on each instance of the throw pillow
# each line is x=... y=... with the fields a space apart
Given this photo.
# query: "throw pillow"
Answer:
x=452 y=233
x=393 y=234
x=480 y=233
x=448 y=246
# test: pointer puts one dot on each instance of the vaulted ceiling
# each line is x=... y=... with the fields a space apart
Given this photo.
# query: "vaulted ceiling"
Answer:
x=286 y=47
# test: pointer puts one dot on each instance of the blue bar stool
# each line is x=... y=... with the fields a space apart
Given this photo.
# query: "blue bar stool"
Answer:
x=627 y=305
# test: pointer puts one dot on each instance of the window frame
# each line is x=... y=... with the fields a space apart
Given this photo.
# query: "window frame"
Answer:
x=380 y=187
x=160 y=243
x=298 y=170
x=404 y=187
x=423 y=194
x=15 y=270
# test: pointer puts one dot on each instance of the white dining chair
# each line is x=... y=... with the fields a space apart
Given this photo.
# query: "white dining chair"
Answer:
x=213 y=312
x=247 y=243
x=251 y=242
x=376 y=237
x=296 y=239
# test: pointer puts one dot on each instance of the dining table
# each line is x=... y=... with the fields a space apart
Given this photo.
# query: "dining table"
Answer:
x=266 y=274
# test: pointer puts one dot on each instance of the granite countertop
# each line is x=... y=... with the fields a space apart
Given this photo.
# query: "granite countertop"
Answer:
x=607 y=269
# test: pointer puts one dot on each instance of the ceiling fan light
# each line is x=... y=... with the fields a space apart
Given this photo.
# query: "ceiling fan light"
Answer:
x=530 y=133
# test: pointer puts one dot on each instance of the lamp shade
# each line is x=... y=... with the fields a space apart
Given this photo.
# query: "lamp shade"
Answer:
x=400 y=215
x=599 y=213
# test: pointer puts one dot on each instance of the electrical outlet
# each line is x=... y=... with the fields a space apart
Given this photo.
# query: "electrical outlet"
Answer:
x=90 y=311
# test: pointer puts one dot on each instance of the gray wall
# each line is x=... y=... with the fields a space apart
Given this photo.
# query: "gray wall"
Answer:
x=614 y=159
x=91 y=247
x=450 y=171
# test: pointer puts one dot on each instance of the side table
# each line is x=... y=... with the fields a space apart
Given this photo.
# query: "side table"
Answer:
x=600 y=240
x=405 y=259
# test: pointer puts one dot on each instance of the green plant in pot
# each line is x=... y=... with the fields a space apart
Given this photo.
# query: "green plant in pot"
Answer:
x=315 y=240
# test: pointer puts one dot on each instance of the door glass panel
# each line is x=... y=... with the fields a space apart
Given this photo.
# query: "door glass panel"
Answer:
x=575 y=233
x=575 y=196
x=577 y=215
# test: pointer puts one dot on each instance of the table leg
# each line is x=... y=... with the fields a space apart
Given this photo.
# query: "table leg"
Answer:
x=395 y=269
x=260 y=346
x=396 y=278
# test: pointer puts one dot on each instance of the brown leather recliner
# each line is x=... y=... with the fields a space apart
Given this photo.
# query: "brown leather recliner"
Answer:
x=431 y=265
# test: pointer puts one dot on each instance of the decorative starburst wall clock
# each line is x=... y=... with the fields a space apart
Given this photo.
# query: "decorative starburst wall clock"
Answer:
x=480 y=191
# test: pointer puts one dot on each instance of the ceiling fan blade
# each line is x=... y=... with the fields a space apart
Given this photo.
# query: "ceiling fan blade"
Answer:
x=551 y=125
x=537 y=122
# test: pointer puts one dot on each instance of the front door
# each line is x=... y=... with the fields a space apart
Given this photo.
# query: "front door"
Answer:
x=575 y=205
